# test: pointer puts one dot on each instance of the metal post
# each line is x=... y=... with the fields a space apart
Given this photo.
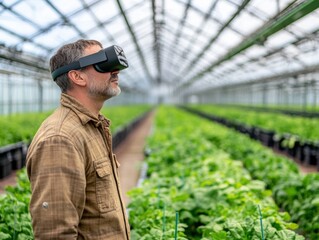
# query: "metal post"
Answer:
x=40 y=100
x=10 y=95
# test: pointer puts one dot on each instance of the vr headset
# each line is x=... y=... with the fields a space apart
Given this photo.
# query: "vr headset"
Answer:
x=107 y=60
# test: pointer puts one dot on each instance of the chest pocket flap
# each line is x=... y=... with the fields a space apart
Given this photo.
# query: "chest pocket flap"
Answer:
x=105 y=193
x=103 y=167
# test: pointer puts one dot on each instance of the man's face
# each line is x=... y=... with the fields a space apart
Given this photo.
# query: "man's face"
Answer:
x=101 y=85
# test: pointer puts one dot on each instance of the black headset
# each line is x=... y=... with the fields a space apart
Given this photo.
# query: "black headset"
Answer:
x=107 y=60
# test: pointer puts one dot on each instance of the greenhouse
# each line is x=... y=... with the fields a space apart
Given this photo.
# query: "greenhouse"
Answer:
x=157 y=120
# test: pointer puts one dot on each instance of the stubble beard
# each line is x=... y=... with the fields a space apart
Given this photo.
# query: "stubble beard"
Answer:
x=107 y=92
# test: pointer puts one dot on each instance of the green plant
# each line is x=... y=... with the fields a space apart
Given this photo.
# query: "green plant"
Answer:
x=214 y=195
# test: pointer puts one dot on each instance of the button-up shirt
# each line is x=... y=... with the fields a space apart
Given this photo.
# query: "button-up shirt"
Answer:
x=74 y=177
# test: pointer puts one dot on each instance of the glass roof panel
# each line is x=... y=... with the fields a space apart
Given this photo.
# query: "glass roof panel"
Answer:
x=175 y=8
x=37 y=12
x=10 y=2
x=308 y=23
x=89 y=2
x=211 y=28
x=279 y=39
x=194 y=17
x=246 y=24
x=56 y=36
x=134 y=3
x=8 y=39
x=36 y=50
x=100 y=34
x=311 y=58
x=269 y=8
x=256 y=51
x=105 y=11
x=137 y=16
x=203 y=5
x=67 y=7
x=191 y=35
x=83 y=21
x=229 y=38
x=117 y=27
x=11 y=22
x=224 y=10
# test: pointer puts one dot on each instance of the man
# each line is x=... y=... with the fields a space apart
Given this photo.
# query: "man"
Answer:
x=70 y=163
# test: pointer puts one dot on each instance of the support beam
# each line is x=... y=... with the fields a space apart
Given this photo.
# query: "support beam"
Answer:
x=287 y=75
x=14 y=56
x=66 y=19
x=157 y=42
x=181 y=24
x=138 y=48
x=214 y=38
x=284 y=19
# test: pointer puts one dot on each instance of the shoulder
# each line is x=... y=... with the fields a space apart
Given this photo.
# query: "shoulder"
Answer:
x=62 y=125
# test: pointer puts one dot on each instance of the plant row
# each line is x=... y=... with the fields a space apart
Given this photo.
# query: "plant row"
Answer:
x=303 y=111
x=294 y=192
x=22 y=127
x=290 y=107
x=214 y=196
x=304 y=129
x=15 y=220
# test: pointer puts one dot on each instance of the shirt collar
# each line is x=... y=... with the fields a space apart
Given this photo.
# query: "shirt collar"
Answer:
x=83 y=113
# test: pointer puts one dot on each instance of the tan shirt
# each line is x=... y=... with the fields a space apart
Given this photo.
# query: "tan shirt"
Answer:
x=74 y=177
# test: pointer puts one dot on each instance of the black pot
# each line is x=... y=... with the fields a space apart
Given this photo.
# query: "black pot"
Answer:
x=310 y=154
x=294 y=150
x=5 y=164
x=266 y=138
x=278 y=143
x=17 y=162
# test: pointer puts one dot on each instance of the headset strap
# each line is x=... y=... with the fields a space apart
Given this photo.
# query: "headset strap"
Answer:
x=65 y=69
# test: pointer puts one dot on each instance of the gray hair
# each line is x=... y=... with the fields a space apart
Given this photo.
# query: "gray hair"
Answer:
x=67 y=54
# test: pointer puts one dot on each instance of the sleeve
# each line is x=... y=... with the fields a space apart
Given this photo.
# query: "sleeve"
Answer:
x=57 y=175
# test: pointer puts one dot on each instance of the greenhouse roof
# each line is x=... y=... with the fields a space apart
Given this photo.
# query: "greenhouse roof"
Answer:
x=180 y=45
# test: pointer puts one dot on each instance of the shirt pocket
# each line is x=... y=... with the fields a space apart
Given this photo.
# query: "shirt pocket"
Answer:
x=104 y=185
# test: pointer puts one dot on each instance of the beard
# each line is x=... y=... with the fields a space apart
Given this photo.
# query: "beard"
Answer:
x=104 y=90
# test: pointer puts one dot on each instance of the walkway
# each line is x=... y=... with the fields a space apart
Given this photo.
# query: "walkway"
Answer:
x=130 y=154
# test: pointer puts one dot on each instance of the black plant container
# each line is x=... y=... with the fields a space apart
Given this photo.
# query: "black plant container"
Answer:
x=310 y=153
x=267 y=137
x=5 y=164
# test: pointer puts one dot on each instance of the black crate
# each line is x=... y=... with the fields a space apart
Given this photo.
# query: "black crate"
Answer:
x=293 y=152
x=278 y=143
x=267 y=137
x=12 y=157
x=310 y=154
x=5 y=164
x=17 y=158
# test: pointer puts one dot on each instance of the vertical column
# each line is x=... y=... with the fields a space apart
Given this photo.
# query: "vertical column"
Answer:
x=2 y=100
x=305 y=94
x=24 y=103
x=314 y=89
x=278 y=100
x=40 y=99
x=264 y=95
x=10 y=95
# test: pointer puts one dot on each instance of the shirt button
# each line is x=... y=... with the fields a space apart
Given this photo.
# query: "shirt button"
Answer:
x=45 y=205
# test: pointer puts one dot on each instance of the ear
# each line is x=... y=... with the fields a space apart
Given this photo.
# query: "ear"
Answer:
x=77 y=77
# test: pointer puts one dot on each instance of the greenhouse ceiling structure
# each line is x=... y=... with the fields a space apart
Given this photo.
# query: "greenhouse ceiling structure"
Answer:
x=178 y=50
